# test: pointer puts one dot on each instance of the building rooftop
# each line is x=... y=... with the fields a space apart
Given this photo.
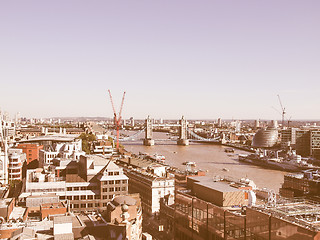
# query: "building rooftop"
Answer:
x=44 y=195
x=209 y=182
x=52 y=205
x=124 y=200
x=64 y=236
x=300 y=211
x=98 y=160
x=17 y=212
x=23 y=233
x=62 y=219
x=138 y=162
x=54 y=138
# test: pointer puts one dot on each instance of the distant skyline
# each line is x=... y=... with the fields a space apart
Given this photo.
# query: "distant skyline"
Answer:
x=200 y=59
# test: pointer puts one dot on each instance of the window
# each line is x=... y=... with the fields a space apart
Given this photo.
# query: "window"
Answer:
x=124 y=189
x=62 y=197
x=124 y=181
x=105 y=190
x=90 y=205
x=116 y=173
x=110 y=196
x=96 y=204
x=117 y=189
x=105 y=197
x=104 y=204
x=76 y=205
x=111 y=189
x=111 y=182
x=76 y=188
x=90 y=197
x=110 y=173
x=83 y=188
x=69 y=197
x=83 y=197
x=69 y=188
x=118 y=181
x=83 y=205
x=76 y=197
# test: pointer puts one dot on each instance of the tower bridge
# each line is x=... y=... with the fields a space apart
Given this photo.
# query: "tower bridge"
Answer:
x=185 y=136
x=182 y=140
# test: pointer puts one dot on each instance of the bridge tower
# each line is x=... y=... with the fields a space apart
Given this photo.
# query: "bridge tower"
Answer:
x=148 y=141
x=223 y=138
x=183 y=138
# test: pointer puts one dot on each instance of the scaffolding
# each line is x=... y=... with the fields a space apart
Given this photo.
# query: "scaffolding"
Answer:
x=301 y=211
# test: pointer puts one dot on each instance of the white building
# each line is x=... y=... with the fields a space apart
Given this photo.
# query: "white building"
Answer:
x=3 y=153
x=151 y=187
x=3 y=166
x=16 y=160
x=68 y=150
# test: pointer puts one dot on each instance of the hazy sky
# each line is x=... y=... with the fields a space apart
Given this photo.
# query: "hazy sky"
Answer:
x=201 y=59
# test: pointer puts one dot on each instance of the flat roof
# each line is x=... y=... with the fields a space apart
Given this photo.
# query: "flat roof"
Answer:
x=55 y=138
x=219 y=186
x=62 y=219
x=303 y=212
x=43 y=195
x=52 y=205
x=208 y=182
x=138 y=162
x=17 y=212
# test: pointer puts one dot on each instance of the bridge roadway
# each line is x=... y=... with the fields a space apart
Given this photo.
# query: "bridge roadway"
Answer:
x=165 y=125
x=172 y=140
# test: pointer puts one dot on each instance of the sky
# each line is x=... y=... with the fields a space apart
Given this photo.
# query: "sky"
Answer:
x=201 y=59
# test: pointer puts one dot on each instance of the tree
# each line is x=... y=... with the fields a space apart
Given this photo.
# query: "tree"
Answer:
x=87 y=140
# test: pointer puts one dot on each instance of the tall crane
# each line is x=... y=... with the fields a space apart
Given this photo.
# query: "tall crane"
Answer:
x=283 y=110
x=117 y=118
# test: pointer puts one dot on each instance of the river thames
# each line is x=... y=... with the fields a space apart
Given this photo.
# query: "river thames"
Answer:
x=212 y=159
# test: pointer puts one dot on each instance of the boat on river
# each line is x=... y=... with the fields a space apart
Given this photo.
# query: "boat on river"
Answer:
x=158 y=158
x=189 y=164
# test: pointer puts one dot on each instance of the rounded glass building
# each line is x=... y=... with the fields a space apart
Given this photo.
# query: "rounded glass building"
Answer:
x=265 y=138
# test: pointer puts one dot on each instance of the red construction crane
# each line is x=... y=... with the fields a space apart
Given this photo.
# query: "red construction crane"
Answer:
x=117 y=118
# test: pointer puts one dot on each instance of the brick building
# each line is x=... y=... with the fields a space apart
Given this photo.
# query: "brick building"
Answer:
x=31 y=150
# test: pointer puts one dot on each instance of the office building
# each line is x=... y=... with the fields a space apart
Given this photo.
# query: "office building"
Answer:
x=288 y=137
x=87 y=184
x=17 y=159
x=31 y=151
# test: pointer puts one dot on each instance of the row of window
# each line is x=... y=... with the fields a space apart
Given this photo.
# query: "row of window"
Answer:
x=14 y=170
x=51 y=156
x=113 y=173
x=47 y=190
x=90 y=197
x=107 y=197
x=82 y=188
x=115 y=182
x=114 y=189
x=81 y=197
x=88 y=205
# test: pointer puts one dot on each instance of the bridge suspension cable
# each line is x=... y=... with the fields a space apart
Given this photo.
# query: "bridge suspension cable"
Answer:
x=132 y=137
x=196 y=136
